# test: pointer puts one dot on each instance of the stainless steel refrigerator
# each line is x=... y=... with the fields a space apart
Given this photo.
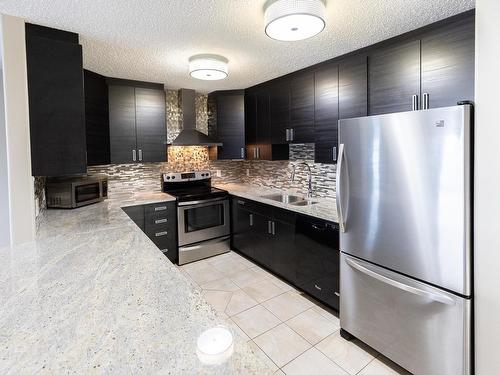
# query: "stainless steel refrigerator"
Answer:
x=404 y=205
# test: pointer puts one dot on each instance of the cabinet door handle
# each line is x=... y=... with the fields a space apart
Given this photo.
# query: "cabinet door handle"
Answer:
x=273 y=228
x=164 y=250
x=334 y=153
x=269 y=227
x=243 y=153
x=258 y=152
x=134 y=156
x=292 y=134
x=241 y=202
x=414 y=103
x=140 y=155
x=159 y=234
x=251 y=220
x=255 y=152
x=161 y=221
x=317 y=227
x=287 y=135
x=337 y=294
x=317 y=287
x=426 y=101
x=160 y=208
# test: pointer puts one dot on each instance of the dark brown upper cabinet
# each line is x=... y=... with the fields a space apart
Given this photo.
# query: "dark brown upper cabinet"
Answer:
x=250 y=120
x=302 y=107
x=56 y=102
x=353 y=87
x=426 y=68
x=279 y=93
x=258 y=127
x=326 y=113
x=96 y=118
x=448 y=65
x=227 y=122
x=150 y=124
x=394 y=76
x=136 y=122
x=434 y=69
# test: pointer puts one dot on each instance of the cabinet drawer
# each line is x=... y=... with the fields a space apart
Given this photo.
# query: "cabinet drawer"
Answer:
x=284 y=216
x=160 y=234
x=156 y=208
x=325 y=290
x=158 y=221
x=254 y=207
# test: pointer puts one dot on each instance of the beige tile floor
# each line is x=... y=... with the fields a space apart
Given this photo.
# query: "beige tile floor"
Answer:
x=293 y=334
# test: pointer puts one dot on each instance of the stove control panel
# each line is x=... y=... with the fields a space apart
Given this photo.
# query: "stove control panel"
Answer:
x=186 y=176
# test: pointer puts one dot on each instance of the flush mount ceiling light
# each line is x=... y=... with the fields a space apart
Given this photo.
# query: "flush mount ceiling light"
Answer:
x=208 y=67
x=291 y=20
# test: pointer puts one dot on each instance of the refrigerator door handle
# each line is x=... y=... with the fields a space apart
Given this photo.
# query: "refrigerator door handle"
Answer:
x=407 y=288
x=339 y=193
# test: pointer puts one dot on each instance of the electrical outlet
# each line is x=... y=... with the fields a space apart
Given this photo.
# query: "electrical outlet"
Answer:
x=248 y=172
x=218 y=172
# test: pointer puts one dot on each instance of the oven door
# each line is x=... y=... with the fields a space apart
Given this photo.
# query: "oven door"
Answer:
x=203 y=220
x=86 y=193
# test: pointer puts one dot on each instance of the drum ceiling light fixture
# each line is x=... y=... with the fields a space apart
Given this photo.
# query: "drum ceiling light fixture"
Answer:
x=291 y=20
x=208 y=67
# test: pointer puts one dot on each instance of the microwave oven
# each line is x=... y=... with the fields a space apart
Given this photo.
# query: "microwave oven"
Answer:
x=73 y=192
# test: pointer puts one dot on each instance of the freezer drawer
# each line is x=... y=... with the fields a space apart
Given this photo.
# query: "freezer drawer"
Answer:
x=424 y=329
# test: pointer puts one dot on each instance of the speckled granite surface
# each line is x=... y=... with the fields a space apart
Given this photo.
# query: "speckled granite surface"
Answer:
x=94 y=295
x=325 y=208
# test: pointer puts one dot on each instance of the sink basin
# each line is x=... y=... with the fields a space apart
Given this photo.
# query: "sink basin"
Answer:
x=283 y=198
x=303 y=203
x=294 y=200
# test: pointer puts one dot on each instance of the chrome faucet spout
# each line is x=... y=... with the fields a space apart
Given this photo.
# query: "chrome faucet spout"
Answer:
x=309 y=181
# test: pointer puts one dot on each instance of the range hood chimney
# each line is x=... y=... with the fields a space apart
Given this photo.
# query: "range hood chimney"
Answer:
x=189 y=136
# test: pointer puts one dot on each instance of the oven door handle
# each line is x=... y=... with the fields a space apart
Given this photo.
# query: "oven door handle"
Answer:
x=191 y=203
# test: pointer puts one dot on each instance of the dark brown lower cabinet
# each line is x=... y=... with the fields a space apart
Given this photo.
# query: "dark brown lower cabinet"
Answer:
x=159 y=222
x=302 y=250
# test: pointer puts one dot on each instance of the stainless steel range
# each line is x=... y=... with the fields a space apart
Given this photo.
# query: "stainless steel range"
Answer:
x=202 y=215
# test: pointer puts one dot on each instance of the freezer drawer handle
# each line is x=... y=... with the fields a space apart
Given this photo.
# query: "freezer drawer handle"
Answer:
x=407 y=288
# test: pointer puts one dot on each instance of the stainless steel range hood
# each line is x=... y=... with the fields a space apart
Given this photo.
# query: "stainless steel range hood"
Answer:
x=189 y=136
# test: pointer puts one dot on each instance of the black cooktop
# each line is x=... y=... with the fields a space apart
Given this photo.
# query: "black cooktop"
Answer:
x=190 y=186
x=196 y=193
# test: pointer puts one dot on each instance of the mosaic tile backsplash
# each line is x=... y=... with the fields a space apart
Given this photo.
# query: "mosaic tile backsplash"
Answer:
x=124 y=178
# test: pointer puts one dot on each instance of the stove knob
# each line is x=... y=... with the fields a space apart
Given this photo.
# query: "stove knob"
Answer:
x=173 y=177
x=168 y=177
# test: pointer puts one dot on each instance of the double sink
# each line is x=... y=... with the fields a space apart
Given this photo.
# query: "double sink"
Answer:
x=293 y=200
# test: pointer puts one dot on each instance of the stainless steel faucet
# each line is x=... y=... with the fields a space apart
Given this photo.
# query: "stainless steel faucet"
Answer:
x=309 y=182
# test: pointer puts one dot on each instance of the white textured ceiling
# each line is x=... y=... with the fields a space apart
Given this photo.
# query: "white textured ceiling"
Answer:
x=151 y=40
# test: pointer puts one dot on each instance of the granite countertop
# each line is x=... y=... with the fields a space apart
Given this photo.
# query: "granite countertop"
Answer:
x=325 y=208
x=93 y=294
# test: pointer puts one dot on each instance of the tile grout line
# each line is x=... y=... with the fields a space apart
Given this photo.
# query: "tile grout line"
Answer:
x=279 y=368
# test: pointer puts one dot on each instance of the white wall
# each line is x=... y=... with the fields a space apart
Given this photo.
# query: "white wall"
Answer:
x=487 y=188
x=15 y=87
x=4 y=186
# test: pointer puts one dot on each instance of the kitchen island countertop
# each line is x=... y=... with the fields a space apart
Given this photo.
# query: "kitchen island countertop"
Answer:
x=92 y=294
